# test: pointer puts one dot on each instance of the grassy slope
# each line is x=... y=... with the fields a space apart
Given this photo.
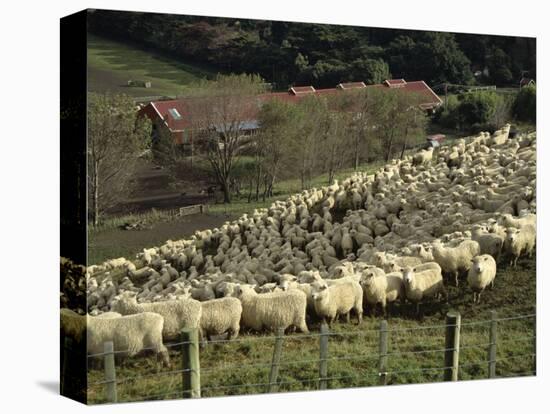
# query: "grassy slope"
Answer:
x=233 y=364
x=111 y=64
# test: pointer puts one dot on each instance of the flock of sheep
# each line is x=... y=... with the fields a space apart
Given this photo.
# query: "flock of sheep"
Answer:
x=410 y=230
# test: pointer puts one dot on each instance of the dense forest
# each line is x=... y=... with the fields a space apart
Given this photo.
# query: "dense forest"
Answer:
x=287 y=53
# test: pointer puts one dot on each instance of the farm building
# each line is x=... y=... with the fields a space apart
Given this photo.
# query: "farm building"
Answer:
x=174 y=114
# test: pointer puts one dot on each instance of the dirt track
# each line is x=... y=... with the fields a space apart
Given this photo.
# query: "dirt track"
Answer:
x=114 y=243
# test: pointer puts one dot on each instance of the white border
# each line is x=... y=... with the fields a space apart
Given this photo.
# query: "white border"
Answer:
x=30 y=209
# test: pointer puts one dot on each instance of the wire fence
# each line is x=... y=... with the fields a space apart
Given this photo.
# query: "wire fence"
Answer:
x=501 y=345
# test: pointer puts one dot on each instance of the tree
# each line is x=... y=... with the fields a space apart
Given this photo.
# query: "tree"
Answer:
x=115 y=141
x=370 y=71
x=477 y=108
x=396 y=119
x=278 y=130
x=434 y=57
x=500 y=66
x=525 y=104
x=220 y=111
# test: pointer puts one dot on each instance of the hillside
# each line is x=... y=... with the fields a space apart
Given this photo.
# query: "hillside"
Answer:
x=111 y=64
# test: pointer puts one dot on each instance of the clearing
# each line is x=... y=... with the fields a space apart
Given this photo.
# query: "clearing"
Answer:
x=111 y=64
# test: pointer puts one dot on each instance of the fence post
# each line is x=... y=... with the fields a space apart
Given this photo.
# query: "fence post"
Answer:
x=323 y=360
x=493 y=346
x=452 y=346
x=383 y=353
x=277 y=351
x=191 y=370
x=110 y=373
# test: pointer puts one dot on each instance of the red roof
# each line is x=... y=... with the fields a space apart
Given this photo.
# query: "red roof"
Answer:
x=179 y=120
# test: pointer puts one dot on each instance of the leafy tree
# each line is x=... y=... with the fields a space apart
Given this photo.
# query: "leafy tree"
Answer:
x=500 y=66
x=477 y=108
x=274 y=142
x=115 y=141
x=370 y=71
x=219 y=112
x=525 y=104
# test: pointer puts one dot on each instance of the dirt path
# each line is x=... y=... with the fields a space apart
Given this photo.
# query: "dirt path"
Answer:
x=115 y=243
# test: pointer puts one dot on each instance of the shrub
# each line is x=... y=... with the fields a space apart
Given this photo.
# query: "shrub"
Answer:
x=525 y=105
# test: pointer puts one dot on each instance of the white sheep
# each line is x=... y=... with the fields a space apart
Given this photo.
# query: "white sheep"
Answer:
x=382 y=288
x=273 y=310
x=178 y=314
x=338 y=299
x=455 y=259
x=129 y=334
x=423 y=284
x=519 y=241
x=219 y=316
x=481 y=274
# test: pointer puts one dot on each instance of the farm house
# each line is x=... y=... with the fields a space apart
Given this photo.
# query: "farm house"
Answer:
x=174 y=114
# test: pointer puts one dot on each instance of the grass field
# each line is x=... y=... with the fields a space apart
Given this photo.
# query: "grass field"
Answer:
x=111 y=64
x=415 y=349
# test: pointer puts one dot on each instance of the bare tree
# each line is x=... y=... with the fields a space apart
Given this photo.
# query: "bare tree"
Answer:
x=221 y=111
x=115 y=141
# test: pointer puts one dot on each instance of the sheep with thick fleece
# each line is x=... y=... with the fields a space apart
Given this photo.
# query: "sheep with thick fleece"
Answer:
x=382 y=288
x=129 y=334
x=338 y=299
x=481 y=274
x=423 y=284
x=489 y=243
x=455 y=259
x=219 y=316
x=388 y=263
x=519 y=241
x=178 y=314
x=272 y=310
x=507 y=220
x=73 y=325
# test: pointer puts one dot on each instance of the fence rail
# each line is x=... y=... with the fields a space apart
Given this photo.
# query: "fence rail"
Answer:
x=451 y=365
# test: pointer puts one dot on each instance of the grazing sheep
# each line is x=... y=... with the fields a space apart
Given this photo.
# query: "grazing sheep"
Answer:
x=219 y=316
x=519 y=241
x=423 y=284
x=178 y=314
x=338 y=299
x=273 y=310
x=481 y=274
x=72 y=324
x=129 y=334
x=455 y=259
x=507 y=220
x=382 y=288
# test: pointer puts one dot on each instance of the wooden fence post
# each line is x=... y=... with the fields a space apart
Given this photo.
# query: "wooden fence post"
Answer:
x=67 y=349
x=191 y=370
x=323 y=359
x=110 y=373
x=383 y=353
x=277 y=351
x=452 y=346
x=492 y=353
